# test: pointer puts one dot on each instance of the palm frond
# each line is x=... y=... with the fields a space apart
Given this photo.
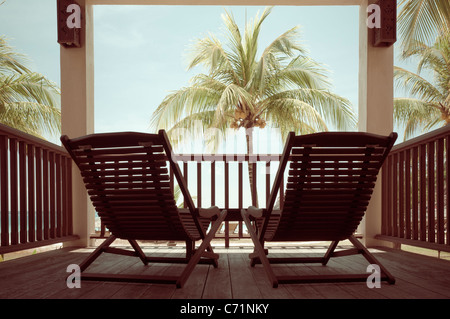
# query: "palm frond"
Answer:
x=31 y=117
x=415 y=115
x=10 y=61
x=420 y=20
x=198 y=127
x=30 y=102
x=333 y=108
x=210 y=53
x=283 y=48
x=293 y=115
x=252 y=31
x=416 y=85
x=302 y=72
x=178 y=104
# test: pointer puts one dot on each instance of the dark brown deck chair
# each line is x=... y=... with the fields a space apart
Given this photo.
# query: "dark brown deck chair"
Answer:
x=330 y=181
x=127 y=178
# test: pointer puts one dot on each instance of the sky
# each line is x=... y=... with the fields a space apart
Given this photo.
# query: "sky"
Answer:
x=140 y=51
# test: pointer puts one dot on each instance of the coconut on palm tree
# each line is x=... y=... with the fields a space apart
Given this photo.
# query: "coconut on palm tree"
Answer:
x=282 y=87
x=28 y=101
x=428 y=103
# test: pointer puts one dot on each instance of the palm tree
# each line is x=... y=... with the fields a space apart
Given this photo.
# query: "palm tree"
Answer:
x=422 y=20
x=429 y=101
x=28 y=101
x=282 y=88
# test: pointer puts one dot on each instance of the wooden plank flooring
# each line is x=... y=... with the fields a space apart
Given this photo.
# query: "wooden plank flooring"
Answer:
x=42 y=276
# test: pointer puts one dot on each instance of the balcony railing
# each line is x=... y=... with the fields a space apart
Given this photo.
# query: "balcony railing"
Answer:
x=229 y=174
x=223 y=180
x=415 y=192
x=35 y=192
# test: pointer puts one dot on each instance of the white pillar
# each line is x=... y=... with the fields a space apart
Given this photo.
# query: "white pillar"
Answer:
x=77 y=109
x=376 y=93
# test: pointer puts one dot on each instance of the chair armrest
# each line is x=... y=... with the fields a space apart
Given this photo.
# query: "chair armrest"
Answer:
x=255 y=212
x=209 y=212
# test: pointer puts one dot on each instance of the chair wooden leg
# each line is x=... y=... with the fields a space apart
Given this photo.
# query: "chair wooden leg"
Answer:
x=259 y=256
x=194 y=256
x=138 y=251
x=211 y=252
x=329 y=252
x=371 y=259
x=215 y=263
x=260 y=250
x=97 y=252
x=199 y=252
x=190 y=247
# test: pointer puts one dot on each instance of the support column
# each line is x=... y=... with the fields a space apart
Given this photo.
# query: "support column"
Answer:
x=376 y=103
x=77 y=114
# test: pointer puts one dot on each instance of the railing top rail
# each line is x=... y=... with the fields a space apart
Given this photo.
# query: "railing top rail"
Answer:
x=226 y=157
x=22 y=136
x=422 y=139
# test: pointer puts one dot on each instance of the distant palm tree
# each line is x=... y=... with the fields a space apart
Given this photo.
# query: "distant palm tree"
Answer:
x=28 y=101
x=422 y=20
x=283 y=88
x=429 y=102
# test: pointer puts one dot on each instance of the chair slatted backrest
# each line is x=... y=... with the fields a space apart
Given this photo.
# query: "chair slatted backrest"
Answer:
x=330 y=181
x=127 y=178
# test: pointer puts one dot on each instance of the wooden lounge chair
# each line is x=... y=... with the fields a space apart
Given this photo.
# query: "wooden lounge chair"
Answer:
x=127 y=178
x=330 y=181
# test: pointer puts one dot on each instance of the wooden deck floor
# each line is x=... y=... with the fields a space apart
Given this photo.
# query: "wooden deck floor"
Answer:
x=42 y=276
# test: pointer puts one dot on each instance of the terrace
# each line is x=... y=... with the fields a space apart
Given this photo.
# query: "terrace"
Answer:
x=43 y=202
x=41 y=183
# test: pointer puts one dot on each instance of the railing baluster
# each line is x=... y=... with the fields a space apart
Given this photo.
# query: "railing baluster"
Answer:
x=52 y=195
x=401 y=196
x=240 y=185
x=423 y=193
x=415 y=194
x=440 y=191
x=240 y=195
x=64 y=229
x=384 y=199
x=23 y=212
x=213 y=183
x=31 y=193
x=395 y=199
x=407 y=213
x=267 y=178
x=254 y=190
x=58 y=211
x=69 y=196
x=45 y=195
x=38 y=155
x=13 y=188
x=390 y=195
x=4 y=190
x=431 y=192
x=199 y=184
x=185 y=175
x=447 y=185
x=227 y=202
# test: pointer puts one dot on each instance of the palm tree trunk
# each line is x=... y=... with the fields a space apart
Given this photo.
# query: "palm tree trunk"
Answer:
x=251 y=167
